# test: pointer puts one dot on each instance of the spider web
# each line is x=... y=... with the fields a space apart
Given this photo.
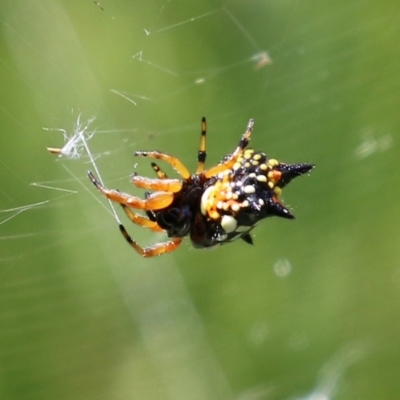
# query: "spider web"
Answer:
x=96 y=81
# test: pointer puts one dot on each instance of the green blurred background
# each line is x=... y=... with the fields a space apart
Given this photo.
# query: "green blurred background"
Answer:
x=311 y=311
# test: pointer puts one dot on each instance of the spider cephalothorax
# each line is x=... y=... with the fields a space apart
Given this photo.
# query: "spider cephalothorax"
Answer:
x=213 y=206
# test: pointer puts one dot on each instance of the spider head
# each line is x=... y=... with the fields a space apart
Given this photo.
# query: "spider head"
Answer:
x=176 y=221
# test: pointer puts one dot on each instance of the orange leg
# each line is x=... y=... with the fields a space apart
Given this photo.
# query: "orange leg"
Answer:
x=156 y=201
x=202 y=154
x=141 y=220
x=165 y=185
x=231 y=160
x=177 y=165
x=160 y=173
x=155 y=250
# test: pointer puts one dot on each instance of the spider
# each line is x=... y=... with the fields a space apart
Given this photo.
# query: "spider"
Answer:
x=213 y=206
